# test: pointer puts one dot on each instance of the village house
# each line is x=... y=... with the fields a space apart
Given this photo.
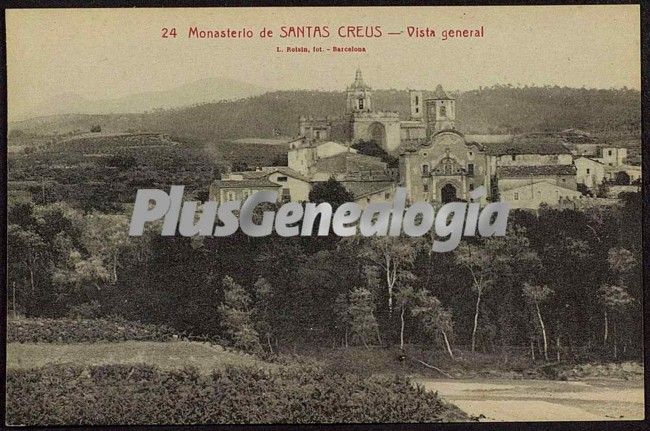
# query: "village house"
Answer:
x=239 y=189
x=290 y=185
x=589 y=172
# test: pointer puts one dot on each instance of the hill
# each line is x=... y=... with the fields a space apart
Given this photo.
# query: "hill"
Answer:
x=202 y=91
x=497 y=109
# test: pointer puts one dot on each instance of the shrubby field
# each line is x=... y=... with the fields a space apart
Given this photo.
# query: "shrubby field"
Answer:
x=140 y=394
x=83 y=331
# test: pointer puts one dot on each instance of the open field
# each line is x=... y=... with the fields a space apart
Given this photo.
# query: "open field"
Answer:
x=166 y=355
x=543 y=400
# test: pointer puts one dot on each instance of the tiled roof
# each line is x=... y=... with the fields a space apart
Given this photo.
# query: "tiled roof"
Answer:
x=532 y=143
x=347 y=162
x=280 y=140
x=543 y=183
x=253 y=182
x=590 y=158
x=360 y=189
x=534 y=170
x=439 y=93
x=250 y=174
x=268 y=170
x=489 y=139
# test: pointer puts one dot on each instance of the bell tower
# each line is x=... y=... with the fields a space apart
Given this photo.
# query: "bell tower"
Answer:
x=359 y=95
x=416 y=104
x=440 y=112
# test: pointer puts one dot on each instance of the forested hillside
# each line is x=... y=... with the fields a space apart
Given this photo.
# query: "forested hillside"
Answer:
x=498 y=109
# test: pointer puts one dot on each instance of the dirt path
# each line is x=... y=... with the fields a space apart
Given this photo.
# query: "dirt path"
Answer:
x=543 y=400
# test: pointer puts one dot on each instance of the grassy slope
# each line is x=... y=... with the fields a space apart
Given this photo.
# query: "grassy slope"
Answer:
x=166 y=355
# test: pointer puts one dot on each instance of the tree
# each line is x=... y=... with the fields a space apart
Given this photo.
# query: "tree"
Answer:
x=27 y=248
x=403 y=299
x=235 y=313
x=535 y=295
x=613 y=298
x=495 y=259
x=622 y=178
x=343 y=316
x=433 y=316
x=330 y=191
x=80 y=274
x=362 y=318
x=106 y=236
x=390 y=258
x=479 y=262
x=262 y=313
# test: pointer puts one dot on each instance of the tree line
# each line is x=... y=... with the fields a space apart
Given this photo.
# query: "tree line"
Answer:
x=562 y=285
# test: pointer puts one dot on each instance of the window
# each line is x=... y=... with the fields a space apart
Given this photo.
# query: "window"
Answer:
x=514 y=157
x=360 y=103
x=470 y=169
x=471 y=186
x=443 y=111
x=587 y=171
x=471 y=154
x=286 y=195
x=282 y=179
x=448 y=167
x=609 y=153
x=563 y=180
x=516 y=196
x=425 y=169
x=386 y=195
x=417 y=110
x=417 y=102
x=230 y=196
x=425 y=187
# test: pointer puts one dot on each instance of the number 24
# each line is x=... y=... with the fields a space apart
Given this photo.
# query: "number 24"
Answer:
x=166 y=33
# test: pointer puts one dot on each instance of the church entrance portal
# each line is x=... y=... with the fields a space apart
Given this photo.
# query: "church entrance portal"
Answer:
x=378 y=134
x=448 y=193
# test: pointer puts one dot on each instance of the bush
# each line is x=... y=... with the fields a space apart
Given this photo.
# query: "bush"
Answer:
x=87 y=310
x=142 y=394
x=83 y=330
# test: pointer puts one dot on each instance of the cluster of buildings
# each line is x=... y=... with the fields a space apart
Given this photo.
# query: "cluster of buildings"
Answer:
x=437 y=163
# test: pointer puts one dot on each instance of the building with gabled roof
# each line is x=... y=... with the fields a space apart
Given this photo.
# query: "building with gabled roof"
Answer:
x=536 y=193
x=240 y=189
x=589 y=171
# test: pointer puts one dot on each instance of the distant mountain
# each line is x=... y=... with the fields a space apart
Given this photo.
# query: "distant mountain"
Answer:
x=497 y=109
x=203 y=91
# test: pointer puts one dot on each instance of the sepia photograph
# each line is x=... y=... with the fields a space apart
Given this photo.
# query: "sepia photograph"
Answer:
x=324 y=215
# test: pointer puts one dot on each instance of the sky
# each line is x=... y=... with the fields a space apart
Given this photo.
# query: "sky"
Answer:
x=106 y=53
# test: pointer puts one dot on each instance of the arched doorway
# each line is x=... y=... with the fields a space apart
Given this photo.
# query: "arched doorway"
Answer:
x=377 y=132
x=448 y=193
